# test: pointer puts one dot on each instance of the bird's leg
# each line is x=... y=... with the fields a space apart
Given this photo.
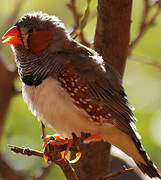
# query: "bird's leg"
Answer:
x=57 y=140
x=43 y=130
x=50 y=139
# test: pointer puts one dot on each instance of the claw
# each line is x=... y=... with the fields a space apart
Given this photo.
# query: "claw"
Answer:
x=46 y=159
x=78 y=156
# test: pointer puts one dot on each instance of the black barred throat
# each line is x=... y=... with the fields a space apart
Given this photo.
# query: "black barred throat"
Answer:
x=70 y=81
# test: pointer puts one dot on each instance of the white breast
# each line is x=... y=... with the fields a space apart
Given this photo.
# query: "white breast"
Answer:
x=51 y=103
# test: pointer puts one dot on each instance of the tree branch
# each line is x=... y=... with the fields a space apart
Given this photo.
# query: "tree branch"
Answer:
x=113 y=32
x=94 y=162
x=25 y=151
x=53 y=154
x=77 y=16
x=146 y=60
x=145 y=23
x=122 y=171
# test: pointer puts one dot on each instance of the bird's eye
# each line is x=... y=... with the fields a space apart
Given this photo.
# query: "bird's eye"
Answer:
x=30 y=31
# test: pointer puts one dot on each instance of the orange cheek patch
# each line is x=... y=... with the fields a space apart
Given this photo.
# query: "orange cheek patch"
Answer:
x=39 y=40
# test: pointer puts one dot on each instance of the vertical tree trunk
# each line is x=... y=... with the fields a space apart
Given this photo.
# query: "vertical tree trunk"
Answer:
x=113 y=31
x=111 y=41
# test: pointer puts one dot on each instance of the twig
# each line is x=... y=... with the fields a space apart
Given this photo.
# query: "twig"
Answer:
x=122 y=171
x=53 y=152
x=25 y=151
x=146 y=60
x=77 y=16
x=157 y=2
x=146 y=24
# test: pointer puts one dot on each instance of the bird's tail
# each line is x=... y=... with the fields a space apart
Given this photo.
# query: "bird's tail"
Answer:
x=148 y=167
x=133 y=148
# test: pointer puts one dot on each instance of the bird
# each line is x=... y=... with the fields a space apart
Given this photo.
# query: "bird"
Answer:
x=70 y=87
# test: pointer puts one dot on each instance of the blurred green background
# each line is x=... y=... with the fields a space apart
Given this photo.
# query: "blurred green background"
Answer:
x=141 y=81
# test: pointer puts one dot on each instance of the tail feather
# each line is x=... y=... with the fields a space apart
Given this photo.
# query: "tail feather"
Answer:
x=133 y=148
x=149 y=168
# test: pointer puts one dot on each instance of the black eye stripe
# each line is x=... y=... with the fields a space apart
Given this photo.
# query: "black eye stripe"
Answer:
x=29 y=35
x=19 y=32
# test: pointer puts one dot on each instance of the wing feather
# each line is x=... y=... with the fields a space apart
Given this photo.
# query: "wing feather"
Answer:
x=105 y=88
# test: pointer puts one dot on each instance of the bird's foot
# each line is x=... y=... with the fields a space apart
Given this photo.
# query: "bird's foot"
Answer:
x=63 y=145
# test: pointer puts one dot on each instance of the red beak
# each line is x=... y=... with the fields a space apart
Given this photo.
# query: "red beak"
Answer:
x=13 y=36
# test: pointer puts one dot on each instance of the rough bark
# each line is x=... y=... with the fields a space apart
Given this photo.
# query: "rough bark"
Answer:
x=113 y=32
x=94 y=162
x=111 y=41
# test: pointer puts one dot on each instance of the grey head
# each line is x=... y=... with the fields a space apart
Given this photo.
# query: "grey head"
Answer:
x=42 y=37
x=37 y=28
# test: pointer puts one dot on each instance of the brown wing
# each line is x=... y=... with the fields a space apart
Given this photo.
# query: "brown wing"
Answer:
x=99 y=92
